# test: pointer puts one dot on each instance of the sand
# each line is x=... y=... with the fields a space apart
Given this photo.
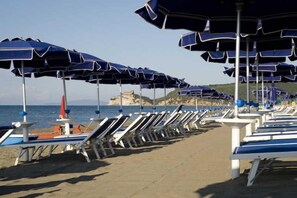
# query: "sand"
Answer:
x=195 y=165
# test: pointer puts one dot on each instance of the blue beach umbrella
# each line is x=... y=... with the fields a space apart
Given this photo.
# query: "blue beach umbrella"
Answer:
x=222 y=16
x=117 y=74
x=92 y=65
x=23 y=53
x=164 y=81
x=199 y=92
x=229 y=16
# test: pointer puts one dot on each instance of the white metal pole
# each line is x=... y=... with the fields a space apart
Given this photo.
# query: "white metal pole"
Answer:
x=257 y=81
x=238 y=6
x=196 y=101
x=98 y=98
x=165 y=105
x=64 y=89
x=25 y=128
x=121 y=99
x=247 y=74
x=154 y=102
x=140 y=99
x=262 y=90
x=24 y=94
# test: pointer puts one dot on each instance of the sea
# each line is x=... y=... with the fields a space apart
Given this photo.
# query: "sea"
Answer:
x=44 y=116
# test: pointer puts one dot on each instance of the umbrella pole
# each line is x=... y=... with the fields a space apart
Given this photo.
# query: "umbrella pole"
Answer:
x=121 y=99
x=140 y=98
x=154 y=101
x=66 y=121
x=196 y=101
x=24 y=114
x=262 y=84
x=247 y=76
x=165 y=98
x=238 y=5
x=64 y=90
x=257 y=81
x=235 y=165
x=98 y=98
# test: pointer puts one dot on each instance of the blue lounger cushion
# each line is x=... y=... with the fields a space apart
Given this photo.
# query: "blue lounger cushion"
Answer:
x=284 y=145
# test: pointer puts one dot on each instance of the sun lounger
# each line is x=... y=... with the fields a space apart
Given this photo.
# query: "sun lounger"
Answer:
x=78 y=143
x=195 y=123
x=163 y=127
x=260 y=150
x=210 y=119
x=279 y=128
x=6 y=131
x=123 y=134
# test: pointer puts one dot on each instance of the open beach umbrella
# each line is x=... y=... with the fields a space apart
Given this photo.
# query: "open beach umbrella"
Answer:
x=221 y=16
x=23 y=53
x=238 y=16
x=164 y=82
x=279 y=44
x=92 y=65
x=117 y=74
x=282 y=71
x=199 y=92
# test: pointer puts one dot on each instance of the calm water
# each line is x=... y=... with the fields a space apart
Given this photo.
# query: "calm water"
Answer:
x=45 y=116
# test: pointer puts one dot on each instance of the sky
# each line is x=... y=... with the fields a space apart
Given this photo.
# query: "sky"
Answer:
x=108 y=29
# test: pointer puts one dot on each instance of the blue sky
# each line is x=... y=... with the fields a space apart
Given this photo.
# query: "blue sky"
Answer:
x=108 y=29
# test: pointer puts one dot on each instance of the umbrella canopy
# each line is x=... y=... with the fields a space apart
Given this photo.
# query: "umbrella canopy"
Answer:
x=23 y=53
x=268 y=69
x=221 y=16
x=198 y=91
x=206 y=41
x=268 y=90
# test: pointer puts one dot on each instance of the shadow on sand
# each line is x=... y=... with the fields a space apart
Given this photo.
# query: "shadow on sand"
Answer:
x=280 y=181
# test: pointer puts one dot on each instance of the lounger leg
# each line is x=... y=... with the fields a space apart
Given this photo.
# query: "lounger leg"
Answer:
x=31 y=154
x=148 y=137
x=102 y=148
x=84 y=153
x=134 y=141
x=18 y=157
x=129 y=143
x=156 y=137
x=95 y=150
x=111 y=148
x=140 y=139
x=122 y=143
x=253 y=172
x=51 y=150
x=40 y=149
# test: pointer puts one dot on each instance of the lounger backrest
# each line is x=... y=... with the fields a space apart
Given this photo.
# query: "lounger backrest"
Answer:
x=160 y=119
x=8 y=130
x=148 y=121
x=136 y=123
x=5 y=132
x=153 y=120
x=102 y=127
x=118 y=124
x=226 y=113
x=172 y=118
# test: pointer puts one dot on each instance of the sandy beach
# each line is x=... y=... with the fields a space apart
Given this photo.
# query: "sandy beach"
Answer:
x=195 y=165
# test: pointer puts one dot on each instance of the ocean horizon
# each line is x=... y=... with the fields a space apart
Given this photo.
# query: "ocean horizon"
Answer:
x=44 y=116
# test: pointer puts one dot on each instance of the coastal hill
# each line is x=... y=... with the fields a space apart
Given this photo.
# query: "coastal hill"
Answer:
x=172 y=98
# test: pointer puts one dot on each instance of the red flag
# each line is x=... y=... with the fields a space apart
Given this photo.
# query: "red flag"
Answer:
x=62 y=108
